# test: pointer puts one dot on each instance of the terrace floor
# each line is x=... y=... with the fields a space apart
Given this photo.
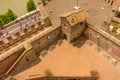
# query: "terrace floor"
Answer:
x=68 y=60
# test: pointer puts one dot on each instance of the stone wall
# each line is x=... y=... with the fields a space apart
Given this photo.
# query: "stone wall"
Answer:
x=102 y=41
x=39 y=44
x=61 y=78
x=46 y=40
x=28 y=58
x=6 y=63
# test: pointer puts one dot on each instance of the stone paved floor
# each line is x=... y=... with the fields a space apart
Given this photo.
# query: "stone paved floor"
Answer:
x=72 y=61
x=97 y=10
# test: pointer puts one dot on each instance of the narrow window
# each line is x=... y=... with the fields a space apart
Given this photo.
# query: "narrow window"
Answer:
x=39 y=3
x=26 y=59
x=112 y=2
x=72 y=20
x=81 y=23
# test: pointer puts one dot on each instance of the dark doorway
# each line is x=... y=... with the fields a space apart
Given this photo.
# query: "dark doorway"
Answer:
x=118 y=15
x=65 y=37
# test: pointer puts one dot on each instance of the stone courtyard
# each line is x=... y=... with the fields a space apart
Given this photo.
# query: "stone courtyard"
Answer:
x=97 y=10
x=68 y=60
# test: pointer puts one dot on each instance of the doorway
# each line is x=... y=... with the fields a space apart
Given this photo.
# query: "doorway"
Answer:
x=65 y=36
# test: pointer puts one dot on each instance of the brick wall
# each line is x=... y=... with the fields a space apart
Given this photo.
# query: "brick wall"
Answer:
x=7 y=63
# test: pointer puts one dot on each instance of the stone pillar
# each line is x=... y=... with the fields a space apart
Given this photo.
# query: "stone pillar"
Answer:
x=21 y=32
x=107 y=1
x=4 y=39
x=36 y=25
x=110 y=2
x=12 y=35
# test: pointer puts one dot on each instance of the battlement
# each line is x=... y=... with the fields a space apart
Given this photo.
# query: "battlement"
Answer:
x=21 y=28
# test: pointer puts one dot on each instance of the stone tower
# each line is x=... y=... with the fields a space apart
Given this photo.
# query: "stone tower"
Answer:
x=73 y=24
